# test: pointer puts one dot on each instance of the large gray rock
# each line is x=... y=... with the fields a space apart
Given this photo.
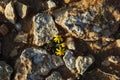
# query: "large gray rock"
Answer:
x=44 y=29
x=41 y=63
x=69 y=60
x=21 y=9
x=82 y=63
x=54 y=76
x=88 y=25
x=10 y=12
x=5 y=71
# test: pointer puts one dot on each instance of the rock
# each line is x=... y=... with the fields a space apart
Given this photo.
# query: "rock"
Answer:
x=44 y=29
x=69 y=60
x=111 y=64
x=87 y=25
x=54 y=76
x=67 y=1
x=14 y=52
x=83 y=63
x=117 y=43
x=5 y=71
x=70 y=43
x=22 y=66
x=57 y=61
x=21 y=9
x=100 y=75
x=21 y=37
x=10 y=12
x=39 y=61
x=1 y=9
x=4 y=29
x=51 y=4
x=18 y=26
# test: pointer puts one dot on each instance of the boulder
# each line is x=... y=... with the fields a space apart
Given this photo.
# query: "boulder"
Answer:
x=44 y=29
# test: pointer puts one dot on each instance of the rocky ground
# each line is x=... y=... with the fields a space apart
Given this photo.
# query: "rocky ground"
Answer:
x=59 y=40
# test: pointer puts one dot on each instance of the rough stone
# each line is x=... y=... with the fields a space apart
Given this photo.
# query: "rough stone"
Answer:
x=70 y=43
x=22 y=67
x=51 y=4
x=83 y=63
x=111 y=64
x=39 y=61
x=88 y=25
x=10 y=12
x=44 y=29
x=57 y=61
x=54 y=76
x=1 y=9
x=21 y=37
x=4 y=29
x=21 y=9
x=100 y=75
x=69 y=60
x=5 y=71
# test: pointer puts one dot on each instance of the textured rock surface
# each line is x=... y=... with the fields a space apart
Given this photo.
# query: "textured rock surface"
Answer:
x=40 y=63
x=10 y=12
x=82 y=63
x=69 y=60
x=44 y=29
x=100 y=75
x=70 y=43
x=21 y=9
x=90 y=25
x=55 y=76
x=111 y=64
x=5 y=71
x=21 y=37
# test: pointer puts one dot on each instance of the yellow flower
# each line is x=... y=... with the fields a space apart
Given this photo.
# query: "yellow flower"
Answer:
x=58 y=38
x=60 y=51
x=63 y=45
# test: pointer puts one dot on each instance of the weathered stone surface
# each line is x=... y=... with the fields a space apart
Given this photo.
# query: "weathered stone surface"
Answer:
x=111 y=64
x=21 y=37
x=55 y=76
x=90 y=25
x=70 y=43
x=1 y=9
x=5 y=71
x=51 y=4
x=69 y=60
x=21 y=9
x=10 y=12
x=3 y=29
x=43 y=29
x=100 y=75
x=57 y=61
x=82 y=63
x=39 y=61
x=23 y=66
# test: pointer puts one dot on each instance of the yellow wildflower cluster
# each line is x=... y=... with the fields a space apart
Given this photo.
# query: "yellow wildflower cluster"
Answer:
x=58 y=38
x=60 y=49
